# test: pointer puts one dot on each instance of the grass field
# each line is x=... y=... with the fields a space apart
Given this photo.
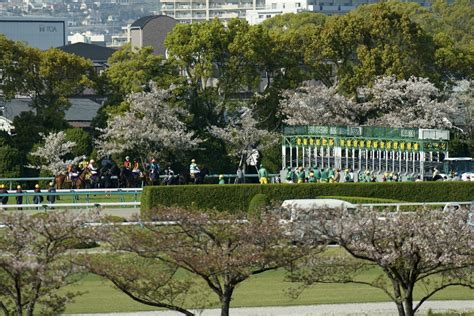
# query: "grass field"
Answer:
x=267 y=289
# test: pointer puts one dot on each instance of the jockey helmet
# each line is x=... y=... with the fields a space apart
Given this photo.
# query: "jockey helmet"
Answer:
x=18 y=187
x=127 y=158
x=50 y=184
x=92 y=161
x=193 y=160
x=37 y=186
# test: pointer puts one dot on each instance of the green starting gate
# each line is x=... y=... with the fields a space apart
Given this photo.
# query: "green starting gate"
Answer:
x=408 y=151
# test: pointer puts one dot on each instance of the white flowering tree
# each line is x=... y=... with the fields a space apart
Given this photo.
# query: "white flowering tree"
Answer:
x=51 y=154
x=34 y=263
x=243 y=136
x=415 y=102
x=151 y=127
x=427 y=249
x=316 y=104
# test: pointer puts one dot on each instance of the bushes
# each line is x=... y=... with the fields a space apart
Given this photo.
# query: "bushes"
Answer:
x=237 y=197
x=258 y=203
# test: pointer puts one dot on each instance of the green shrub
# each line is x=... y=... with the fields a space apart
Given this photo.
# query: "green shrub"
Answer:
x=257 y=204
x=235 y=198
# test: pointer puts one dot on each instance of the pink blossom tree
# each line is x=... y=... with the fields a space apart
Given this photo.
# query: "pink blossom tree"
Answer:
x=429 y=249
x=34 y=261
x=152 y=127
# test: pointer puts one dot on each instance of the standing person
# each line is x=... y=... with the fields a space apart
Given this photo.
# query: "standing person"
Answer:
x=37 y=198
x=193 y=170
x=325 y=175
x=240 y=176
x=289 y=175
x=317 y=174
x=19 y=198
x=337 y=176
x=169 y=179
x=263 y=175
x=301 y=175
x=3 y=190
x=311 y=178
x=221 y=179
x=51 y=198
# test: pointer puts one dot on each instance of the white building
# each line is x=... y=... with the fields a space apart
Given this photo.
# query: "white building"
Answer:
x=330 y=7
x=188 y=11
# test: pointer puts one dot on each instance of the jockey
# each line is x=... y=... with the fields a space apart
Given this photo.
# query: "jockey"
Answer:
x=136 y=168
x=154 y=169
x=91 y=167
x=71 y=172
x=193 y=169
x=127 y=163
x=83 y=164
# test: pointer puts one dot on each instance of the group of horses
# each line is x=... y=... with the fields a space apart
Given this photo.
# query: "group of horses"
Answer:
x=116 y=177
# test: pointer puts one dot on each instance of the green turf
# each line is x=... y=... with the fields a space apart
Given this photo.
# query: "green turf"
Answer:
x=84 y=198
x=267 y=289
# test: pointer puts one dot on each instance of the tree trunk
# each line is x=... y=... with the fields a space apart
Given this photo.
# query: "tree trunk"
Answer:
x=398 y=298
x=225 y=301
x=408 y=303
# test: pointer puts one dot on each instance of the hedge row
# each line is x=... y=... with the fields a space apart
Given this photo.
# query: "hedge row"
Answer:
x=237 y=197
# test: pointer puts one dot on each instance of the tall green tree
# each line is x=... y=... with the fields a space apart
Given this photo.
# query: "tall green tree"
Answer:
x=375 y=41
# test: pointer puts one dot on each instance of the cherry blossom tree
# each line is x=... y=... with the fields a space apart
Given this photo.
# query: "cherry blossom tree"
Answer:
x=414 y=102
x=153 y=126
x=221 y=249
x=34 y=262
x=51 y=154
x=429 y=249
x=315 y=104
x=243 y=136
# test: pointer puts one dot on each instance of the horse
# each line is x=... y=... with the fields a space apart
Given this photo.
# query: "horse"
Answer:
x=128 y=180
x=201 y=175
x=81 y=181
x=60 y=180
x=110 y=178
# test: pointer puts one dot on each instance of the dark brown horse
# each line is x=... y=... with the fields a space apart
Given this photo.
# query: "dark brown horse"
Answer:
x=78 y=183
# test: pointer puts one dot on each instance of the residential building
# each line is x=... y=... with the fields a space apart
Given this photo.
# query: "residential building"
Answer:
x=96 y=53
x=151 y=31
x=80 y=114
x=203 y=10
x=330 y=7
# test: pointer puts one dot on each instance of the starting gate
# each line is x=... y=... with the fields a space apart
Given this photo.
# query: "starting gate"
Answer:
x=408 y=151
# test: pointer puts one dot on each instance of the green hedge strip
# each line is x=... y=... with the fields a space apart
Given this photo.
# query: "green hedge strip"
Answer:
x=237 y=197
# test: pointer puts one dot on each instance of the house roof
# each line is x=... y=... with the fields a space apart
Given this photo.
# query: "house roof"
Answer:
x=82 y=109
x=141 y=22
x=93 y=52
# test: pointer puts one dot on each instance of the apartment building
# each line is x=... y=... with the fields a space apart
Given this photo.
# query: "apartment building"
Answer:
x=189 y=11
x=255 y=11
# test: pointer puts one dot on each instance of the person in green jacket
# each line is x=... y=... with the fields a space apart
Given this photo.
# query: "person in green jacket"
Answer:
x=311 y=178
x=221 y=179
x=263 y=175
x=331 y=175
x=317 y=174
x=325 y=175
x=290 y=175
x=301 y=175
